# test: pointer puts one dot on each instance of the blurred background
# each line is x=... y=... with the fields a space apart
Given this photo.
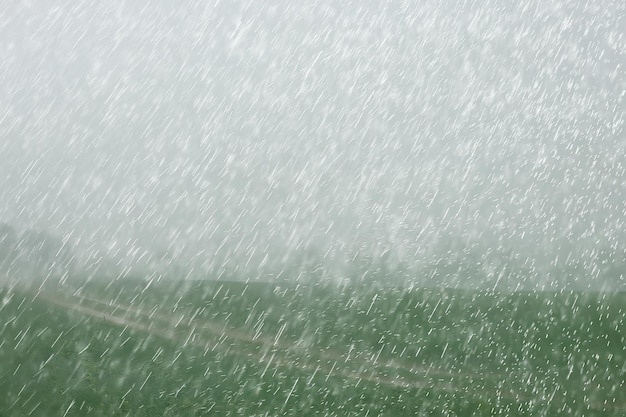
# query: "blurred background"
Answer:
x=477 y=145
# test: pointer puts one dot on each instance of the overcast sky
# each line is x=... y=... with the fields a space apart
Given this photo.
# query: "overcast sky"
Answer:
x=253 y=131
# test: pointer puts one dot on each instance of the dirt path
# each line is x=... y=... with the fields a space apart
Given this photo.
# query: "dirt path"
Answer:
x=272 y=353
x=268 y=342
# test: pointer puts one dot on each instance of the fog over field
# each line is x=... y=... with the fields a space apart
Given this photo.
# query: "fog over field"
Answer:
x=249 y=138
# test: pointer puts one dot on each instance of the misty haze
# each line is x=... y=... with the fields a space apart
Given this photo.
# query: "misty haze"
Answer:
x=313 y=208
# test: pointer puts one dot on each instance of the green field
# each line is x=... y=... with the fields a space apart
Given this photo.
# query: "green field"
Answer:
x=126 y=348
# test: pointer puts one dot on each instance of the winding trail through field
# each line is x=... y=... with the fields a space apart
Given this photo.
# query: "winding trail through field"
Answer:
x=266 y=350
x=273 y=342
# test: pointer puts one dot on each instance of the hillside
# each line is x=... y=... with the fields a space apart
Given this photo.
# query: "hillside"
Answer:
x=229 y=348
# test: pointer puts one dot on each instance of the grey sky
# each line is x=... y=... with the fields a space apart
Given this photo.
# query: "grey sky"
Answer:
x=253 y=131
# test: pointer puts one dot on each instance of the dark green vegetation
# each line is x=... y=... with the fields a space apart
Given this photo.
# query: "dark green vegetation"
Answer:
x=225 y=348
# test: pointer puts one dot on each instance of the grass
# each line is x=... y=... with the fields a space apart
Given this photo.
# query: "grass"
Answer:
x=126 y=348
